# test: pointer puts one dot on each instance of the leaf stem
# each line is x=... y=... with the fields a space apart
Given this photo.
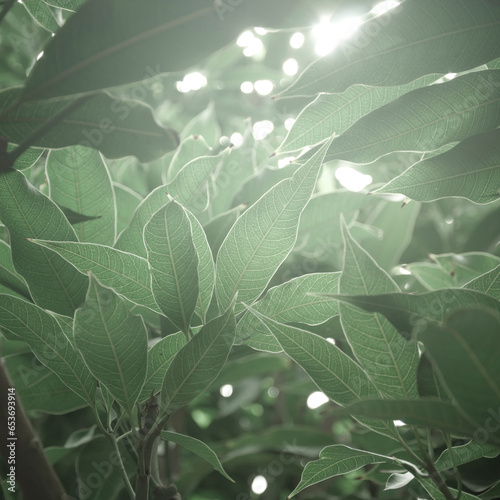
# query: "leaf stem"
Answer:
x=128 y=486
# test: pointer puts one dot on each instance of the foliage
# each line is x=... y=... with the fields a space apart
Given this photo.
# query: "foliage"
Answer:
x=185 y=263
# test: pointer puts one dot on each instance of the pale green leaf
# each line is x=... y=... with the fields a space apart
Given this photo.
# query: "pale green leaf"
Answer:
x=127 y=201
x=205 y=124
x=46 y=16
x=217 y=229
x=10 y=280
x=488 y=283
x=70 y=5
x=190 y=148
x=113 y=343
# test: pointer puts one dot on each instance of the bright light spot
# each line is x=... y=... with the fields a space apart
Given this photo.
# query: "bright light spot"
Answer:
x=347 y=27
x=450 y=76
x=262 y=129
x=449 y=220
x=352 y=179
x=402 y=271
x=260 y=31
x=236 y=139
x=332 y=341
x=289 y=122
x=285 y=161
x=383 y=7
x=253 y=48
x=290 y=67
x=246 y=87
x=226 y=390
x=202 y=419
x=399 y=423
x=245 y=39
x=182 y=87
x=273 y=392
x=297 y=40
x=39 y=56
x=259 y=485
x=316 y=399
x=328 y=34
x=195 y=80
x=263 y=87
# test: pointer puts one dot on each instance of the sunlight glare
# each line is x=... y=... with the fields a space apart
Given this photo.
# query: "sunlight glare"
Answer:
x=245 y=39
x=289 y=122
x=297 y=40
x=262 y=129
x=259 y=485
x=384 y=7
x=263 y=87
x=236 y=140
x=226 y=390
x=246 y=87
x=290 y=67
x=352 y=179
x=316 y=399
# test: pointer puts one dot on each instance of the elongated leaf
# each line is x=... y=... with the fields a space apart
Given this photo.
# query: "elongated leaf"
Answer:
x=127 y=274
x=334 y=461
x=205 y=124
x=332 y=114
x=71 y=5
x=117 y=128
x=469 y=338
x=428 y=381
x=454 y=34
x=47 y=17
x=424 y=119
x=464 y=454
x=9 y=278
x=54 y=284
x=190 y=148
x=174 y=264
x=488 y=283
x=127 y=201
x=111 y=50
x=492 y=493
x=40 y=388
x=389 y=359
x=198 y=363
x=335 y=373
x=113 y=343
x=263 y=236
x=191 y=186
x=79 y=179
x=198 y=448
x=159 y=358
x=470 y=170
x=217 y=229
x=290 y=303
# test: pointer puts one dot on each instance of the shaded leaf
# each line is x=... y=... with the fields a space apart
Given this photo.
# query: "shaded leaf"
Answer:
x=428 y=381
x=488 y=283
x=127 y=201
x=75 y=217
x=464 y=454
x=9 y=278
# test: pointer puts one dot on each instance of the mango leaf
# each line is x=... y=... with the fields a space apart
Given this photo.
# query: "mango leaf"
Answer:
x=491 y=493
x=27 y=159
x=469 y=170
x=388 y=358
x=217 y=229
x=190 y=148
x=48 y=342
x=198 y=363
x=53 y=283
x=339 y=377
x=115 y=127
x=127 y=201
x=159 y=358
x=332 y=114
x=290 y=302
x=428 y=381
x=464 y=454
x=197 y=447
x=107 y=39
x=336 y=460
x=113 y=343
x=424 y=119
x=78 y=179
x=452 y=34
x=476 y=386
x=263 y=236
x=70 y=5
x=9 y=278
x=127 y=274
x=488 y=283
x=46 y=16
x=429 y=413
x=431 y=488
x=191 y=186
x=174 y=261
x=40 y=388
x=75 y=217
x=204 y=124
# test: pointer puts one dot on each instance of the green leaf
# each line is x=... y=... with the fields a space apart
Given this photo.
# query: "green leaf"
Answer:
x=47 y=17
x=436 y=494
x=27 y=159
x=290 y=302
x=160 y=356
x=332 y=114
x=488 y=283
x=113 y=343
x=263 y=236
x=70 y=5
x=470 y=339
x=127 y=274
x=428 y=381
x=424 y=119
x=429 y=413
x=99 y=47
x=336 y=460
x=437 y=37
x=464 y=454
x=389 y=359
x=75 y=217
x=339 y=377
x=190 y=148
x=174 y=264
x=115 y=127
x=492 y=493
x=470 y=170
x=204 y=124
x=198 y=363
x=9 y=278
x=198 y=448
x=79 y=180
x=40 y=388
x=48 y=342
x=54 y=284
x=127 y=201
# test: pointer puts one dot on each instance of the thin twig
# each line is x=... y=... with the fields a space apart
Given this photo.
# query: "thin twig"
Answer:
x=123 y=472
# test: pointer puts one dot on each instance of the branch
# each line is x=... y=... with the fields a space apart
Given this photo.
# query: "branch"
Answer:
x=34 y=473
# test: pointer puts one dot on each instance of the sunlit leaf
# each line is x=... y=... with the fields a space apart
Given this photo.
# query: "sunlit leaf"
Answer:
x=190 y=148
x=488 y=283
